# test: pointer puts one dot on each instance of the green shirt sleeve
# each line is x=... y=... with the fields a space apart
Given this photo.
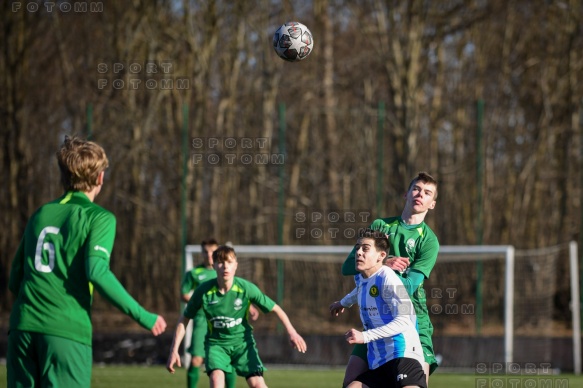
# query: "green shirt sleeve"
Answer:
x=258 y=298
x=17 y=269
x=187 y=284
x=412 y=280
x=425 y=260
x=194 y=305
x=113 y=291
x=349 y=266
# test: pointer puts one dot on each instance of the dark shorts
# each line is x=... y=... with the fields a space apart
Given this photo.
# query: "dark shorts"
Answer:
x=397 y=373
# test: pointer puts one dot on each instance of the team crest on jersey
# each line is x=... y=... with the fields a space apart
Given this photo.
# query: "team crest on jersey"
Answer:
x=374 y=291
x=410 y=246
x=238 y=304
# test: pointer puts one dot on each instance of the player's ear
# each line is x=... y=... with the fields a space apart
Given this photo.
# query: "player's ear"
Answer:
x=432 y=205
x=382 y=255
x=100 y=178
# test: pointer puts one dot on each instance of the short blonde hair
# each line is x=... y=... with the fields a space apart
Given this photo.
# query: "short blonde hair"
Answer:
x=80 y=162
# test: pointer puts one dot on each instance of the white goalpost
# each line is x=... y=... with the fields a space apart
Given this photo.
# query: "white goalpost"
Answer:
x=264 y=264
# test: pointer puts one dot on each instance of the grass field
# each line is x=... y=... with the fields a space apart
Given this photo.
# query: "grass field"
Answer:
x=277 y=377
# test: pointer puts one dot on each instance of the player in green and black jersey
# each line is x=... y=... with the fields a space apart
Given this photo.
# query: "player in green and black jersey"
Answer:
x=64 y=253
x=225 y=302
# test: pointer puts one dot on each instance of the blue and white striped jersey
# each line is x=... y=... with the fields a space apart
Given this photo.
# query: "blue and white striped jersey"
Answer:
x=388 y=316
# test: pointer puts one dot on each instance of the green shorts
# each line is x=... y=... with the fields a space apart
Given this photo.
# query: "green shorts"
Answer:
x=199 y=330
x=425 y=331
x=36 y=359
x=243 y=357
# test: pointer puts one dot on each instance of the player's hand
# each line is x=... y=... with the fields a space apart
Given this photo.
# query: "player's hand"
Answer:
x=159 y=326
x=397 y=263
x=354 y=336
x=336 y=308
x=253 y=313
x=298 y=342
x=380 y=226
x=174 y=358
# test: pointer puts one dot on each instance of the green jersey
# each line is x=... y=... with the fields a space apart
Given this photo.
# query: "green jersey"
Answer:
x=227 y=315
x=419 y=244
x=66 y=242
x=197 y=276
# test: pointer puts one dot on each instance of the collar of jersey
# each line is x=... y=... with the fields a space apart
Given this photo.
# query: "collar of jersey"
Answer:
x=73 y=194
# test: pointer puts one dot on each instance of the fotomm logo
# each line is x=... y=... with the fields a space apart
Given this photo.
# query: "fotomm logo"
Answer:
x=330 y=224
x=139 y=75
x=233 y=151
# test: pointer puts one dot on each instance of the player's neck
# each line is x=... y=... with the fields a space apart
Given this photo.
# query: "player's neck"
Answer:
x=225 y=285
x=92 y=193
x=413 y=219
x=371 y=271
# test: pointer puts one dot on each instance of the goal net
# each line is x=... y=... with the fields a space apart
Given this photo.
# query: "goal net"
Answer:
x=490 y=305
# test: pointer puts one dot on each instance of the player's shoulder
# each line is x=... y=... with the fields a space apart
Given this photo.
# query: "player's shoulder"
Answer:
x=76 y=204
x=91 y=208
x=391 y=220
x=244 y=284
x=429 y=234
x=207 y=286
x=387 y=273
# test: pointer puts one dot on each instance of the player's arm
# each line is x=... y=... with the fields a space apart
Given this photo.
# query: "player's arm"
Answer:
x=266 y=304
x=426 y=257
x=294 y=338
x=186 y=287
x=412 y=281
x=346 y=302
x=113 y=291
x=401 y=310
x=422 y=265
x=17 y=269
x=398 y=325
x=253 y=312
x=174 y=357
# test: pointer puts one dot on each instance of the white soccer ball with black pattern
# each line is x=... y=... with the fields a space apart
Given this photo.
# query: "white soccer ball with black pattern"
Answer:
x=293 y=42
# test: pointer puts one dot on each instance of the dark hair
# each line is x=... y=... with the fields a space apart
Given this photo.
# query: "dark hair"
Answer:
x=425 y=178
x=381 y=241
x=208 y=241
x=222 y=254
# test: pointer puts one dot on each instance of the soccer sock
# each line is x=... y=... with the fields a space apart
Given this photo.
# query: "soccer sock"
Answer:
x=230 y=380
x=192 y=376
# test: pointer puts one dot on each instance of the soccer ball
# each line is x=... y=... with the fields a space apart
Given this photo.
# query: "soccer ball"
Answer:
x=293 y=42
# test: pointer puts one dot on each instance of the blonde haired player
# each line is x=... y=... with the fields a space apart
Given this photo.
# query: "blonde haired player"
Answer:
x=63 y=255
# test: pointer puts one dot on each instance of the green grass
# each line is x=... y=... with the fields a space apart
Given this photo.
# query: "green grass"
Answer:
x=275 y=377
